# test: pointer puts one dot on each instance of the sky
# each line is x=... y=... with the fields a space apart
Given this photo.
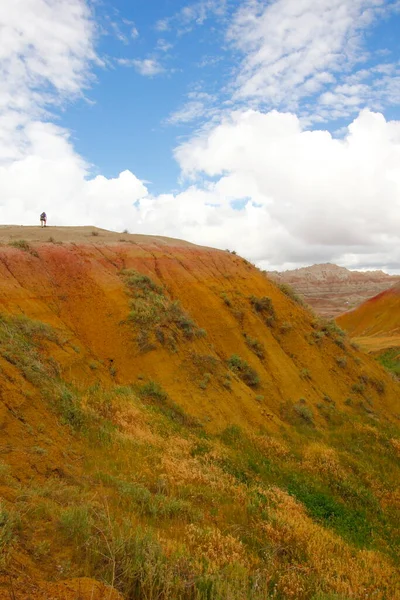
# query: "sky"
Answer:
x=268 y=127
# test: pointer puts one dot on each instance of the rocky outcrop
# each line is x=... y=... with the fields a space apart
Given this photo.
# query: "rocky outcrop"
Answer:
x=332 y=290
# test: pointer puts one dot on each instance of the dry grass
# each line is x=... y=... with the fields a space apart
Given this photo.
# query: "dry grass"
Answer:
x=164 y=510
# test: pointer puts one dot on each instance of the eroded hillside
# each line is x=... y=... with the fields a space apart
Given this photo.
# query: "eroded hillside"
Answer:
x=331 y=290
x=177 y=427
x=375 y=326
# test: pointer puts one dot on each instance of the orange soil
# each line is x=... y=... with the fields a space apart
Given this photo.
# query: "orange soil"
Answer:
x=76 y=288
x=375 y=325
x=82 y=588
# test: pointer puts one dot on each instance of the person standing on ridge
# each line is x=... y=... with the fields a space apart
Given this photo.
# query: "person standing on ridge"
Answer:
x=43 y=219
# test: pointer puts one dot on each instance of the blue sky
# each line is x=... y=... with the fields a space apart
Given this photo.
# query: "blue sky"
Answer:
x=125 y=120
x=127 y=125
x=268 y=125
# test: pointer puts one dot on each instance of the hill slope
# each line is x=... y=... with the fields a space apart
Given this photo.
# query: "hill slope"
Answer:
x=375 y=326
x=331 y=290
x=176 y=426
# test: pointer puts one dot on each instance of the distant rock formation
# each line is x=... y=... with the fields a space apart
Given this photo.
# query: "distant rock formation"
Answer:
x=332 y=290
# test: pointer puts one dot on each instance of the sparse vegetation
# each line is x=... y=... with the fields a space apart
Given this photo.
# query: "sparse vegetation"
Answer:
x=246 y=373
x=305 y=374
x=254 y=345
x=126 y=487
x=264 y=307
x=290 y=293
x=304 y=412
x=160 y=319
x=285 y=327
x=23 y=245
x=8 y=529
x=341 y=361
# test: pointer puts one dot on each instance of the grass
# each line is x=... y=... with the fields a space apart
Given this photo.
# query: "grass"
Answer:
x=9 y=524
x=254 y=345
x=152 y=393
x=304 y=413
x=23 y=245
x=390 y=359
x=290 y=293
x=264 y=307
x=165 y=510
x=159 y=320
x=244 y=371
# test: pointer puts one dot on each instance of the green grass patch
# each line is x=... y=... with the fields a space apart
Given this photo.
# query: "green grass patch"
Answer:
x=390 y=359
x=160 y=320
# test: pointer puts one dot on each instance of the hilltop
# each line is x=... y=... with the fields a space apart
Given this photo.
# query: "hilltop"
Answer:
x=177 y=426
x=331 y=290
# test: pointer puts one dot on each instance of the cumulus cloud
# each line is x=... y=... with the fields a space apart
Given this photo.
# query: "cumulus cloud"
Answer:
x=258 y=182
x=45 y=59
x=52 y=177
x=305 y=194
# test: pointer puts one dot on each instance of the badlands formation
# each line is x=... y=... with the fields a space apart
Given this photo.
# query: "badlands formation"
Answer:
x=332 y=290
x=175 y=426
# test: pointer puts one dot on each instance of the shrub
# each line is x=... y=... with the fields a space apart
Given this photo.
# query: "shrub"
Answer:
x=358 y=388
x=226 y=299
x=305 y=374
x=304 y=412
x=330 y=328
x=254 y=345
x=205 y=381
x=265 y=308
x=341 y=361
x=379 y=385
x=290 y=293
x=286 y=327
x=246 y=373
x=262 y=305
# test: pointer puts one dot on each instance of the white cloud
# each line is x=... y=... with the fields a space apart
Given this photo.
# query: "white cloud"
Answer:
x=149 y=67
x=191 y=15
x=45 y=59
x=163 y=45
x=262 y=184
x=296 y=49
x=308 y=196
x=52 y=177
x=198 y=106
x=45 y=45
